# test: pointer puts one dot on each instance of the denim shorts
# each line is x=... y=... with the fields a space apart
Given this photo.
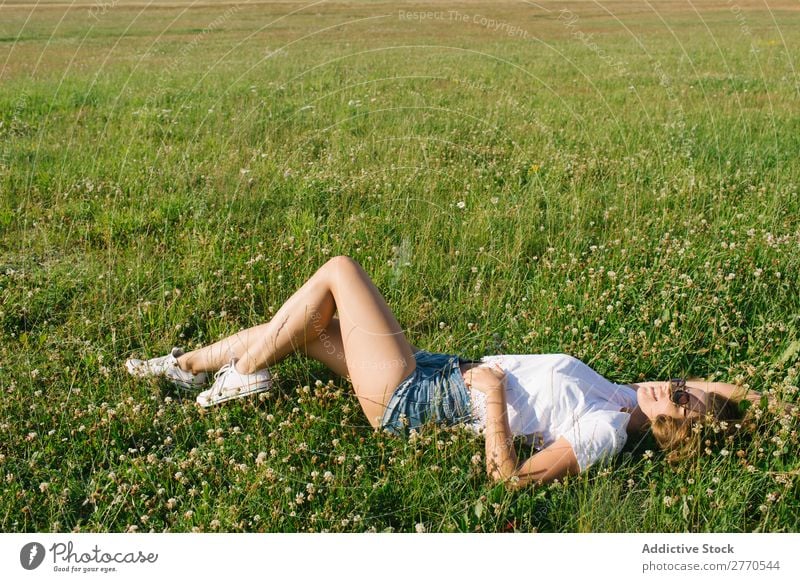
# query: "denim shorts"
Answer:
x=435 y=391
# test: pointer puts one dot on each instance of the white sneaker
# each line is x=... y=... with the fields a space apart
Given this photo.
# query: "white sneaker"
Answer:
x=166 y=367
x=230 y=384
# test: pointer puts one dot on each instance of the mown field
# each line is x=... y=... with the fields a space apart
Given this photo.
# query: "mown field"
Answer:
x=618 y=181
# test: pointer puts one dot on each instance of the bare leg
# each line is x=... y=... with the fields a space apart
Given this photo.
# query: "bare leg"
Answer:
x=377 y=354
x=328 y=348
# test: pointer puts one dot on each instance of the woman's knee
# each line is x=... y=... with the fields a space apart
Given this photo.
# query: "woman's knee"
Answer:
x=342 y=262
x=345 y=268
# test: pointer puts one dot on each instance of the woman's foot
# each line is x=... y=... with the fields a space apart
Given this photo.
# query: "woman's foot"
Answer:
x=230 y=383
x=167 y=367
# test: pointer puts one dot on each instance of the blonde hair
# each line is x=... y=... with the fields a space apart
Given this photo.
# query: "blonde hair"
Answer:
x=685 y=438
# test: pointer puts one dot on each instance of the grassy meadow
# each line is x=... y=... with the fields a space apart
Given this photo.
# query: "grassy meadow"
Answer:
x=617 y=181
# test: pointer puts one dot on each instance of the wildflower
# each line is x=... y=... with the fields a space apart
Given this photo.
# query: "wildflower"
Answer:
x=648 y=454
x=43 y=487
x=668 y=500
x=328 y=476
x=461 y=204
x=215 y=524
x=420 y=527
x=494 y=200
x=261 y=458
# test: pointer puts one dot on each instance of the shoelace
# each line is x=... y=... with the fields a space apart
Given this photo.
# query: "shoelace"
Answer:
x=223 y=370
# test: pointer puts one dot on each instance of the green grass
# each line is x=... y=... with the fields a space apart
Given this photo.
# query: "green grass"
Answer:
x=170 y=177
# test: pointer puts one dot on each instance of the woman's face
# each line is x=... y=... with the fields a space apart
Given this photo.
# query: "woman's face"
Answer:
x=654 y=399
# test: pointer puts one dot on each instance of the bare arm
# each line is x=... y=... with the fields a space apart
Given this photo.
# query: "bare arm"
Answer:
x=553 y=462
x=734 y=392
x=730 y=391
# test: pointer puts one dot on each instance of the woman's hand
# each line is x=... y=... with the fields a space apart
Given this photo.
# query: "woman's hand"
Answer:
x=485 y=378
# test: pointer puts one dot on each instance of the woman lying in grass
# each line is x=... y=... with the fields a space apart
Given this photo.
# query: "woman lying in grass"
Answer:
x=569 y=412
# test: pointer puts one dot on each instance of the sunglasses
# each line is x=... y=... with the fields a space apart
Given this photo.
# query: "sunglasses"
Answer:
x=678 y=393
